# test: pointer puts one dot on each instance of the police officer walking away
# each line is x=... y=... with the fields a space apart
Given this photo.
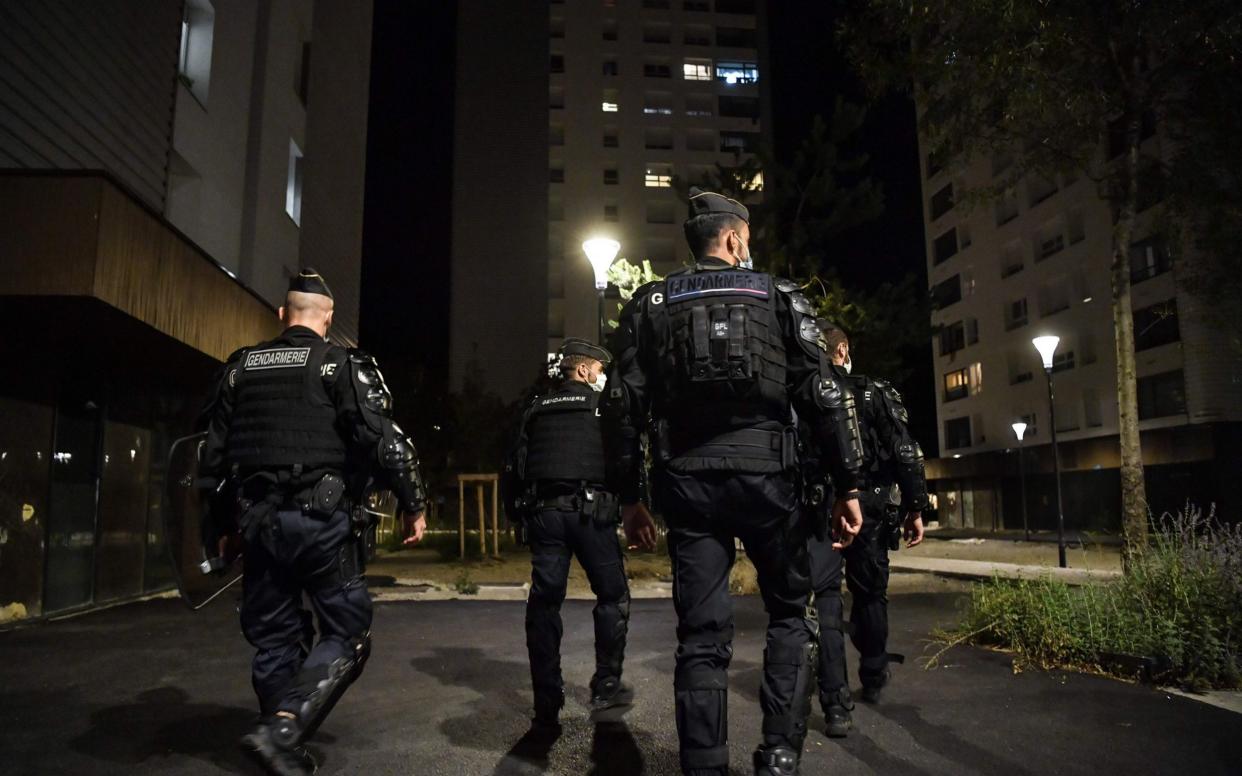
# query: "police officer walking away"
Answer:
x=891 y=457
x=556 y=486
x=297 y=426
x=718 y=355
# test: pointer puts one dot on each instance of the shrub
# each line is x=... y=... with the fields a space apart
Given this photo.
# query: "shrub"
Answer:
x=1181 y=603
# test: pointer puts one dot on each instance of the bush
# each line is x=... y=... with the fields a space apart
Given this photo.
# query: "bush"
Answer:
x=1181 y=603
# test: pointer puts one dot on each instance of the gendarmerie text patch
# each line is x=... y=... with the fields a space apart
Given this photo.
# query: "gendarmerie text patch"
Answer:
x=277 y=358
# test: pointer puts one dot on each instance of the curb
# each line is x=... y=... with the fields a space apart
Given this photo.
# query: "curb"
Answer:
x=977 y=569
x=406 y=589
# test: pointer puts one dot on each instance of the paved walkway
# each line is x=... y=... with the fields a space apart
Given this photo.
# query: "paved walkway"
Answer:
x=154 y=689
x=982 y=569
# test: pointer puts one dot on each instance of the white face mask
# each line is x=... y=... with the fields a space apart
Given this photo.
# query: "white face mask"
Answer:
x=747 y=261
x=598 y=385
x=848 y=366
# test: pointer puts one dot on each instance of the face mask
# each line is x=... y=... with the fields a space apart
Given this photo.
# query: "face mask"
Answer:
x=747 y=261
x=598 y=385
x=848 y=366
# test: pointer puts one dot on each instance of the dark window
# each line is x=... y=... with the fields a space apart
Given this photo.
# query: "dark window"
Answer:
x=556 y=99
x=735 y=6
x=556 y=175
x=1156 y=325
x=952 y=338
x=610 y=138
x=657 y=71
x=739 y=107
x=656 y=5
x=735 y=37
x=942 y=201
x=741 y=142
x=1062 y=361
x=658 y=139
x=558 y=63
x=610 y=177
x=935 y=163
x=947 y=292
x=697 y=36
x=558 y=28
x=609 y=31
x=697 y=5
x=945 y=247
x=956 y=385
x=957 y=433
x=1161 y=395
x=610 y=212
x=610 y=67
x=656 y=33
x=1015 y=314
x=1148 y=259
x=304 y=77
x=1049 y=246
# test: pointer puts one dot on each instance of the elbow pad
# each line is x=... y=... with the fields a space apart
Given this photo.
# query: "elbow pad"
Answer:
x=838 y=405
x=398 y=458
x=374 y=398
x=913 y=481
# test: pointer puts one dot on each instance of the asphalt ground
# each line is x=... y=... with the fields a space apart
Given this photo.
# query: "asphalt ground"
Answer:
x=153 y=688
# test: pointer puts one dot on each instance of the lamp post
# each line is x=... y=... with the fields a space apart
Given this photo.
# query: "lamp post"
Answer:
x=1046 y=346
x=1019 y=429
x=601 y=251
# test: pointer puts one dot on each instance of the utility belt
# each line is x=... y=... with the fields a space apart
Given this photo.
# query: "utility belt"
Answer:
x=317 y=493
x=746 y=449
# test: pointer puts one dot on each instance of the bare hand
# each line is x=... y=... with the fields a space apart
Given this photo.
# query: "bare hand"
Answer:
x=912 y=529
x=417 y=528
x=846 y=522
x=640 y=528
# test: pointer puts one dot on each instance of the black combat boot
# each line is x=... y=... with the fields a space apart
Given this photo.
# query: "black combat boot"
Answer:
x=270 y=745
x=610 y=693
x=776 y=761
x=547 y=712
x=873 y=686
x=837 y=719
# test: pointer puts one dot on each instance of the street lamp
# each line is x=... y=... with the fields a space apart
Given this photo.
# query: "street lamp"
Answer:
x=1046 y=346
x=601 y=251
x=1019 y=429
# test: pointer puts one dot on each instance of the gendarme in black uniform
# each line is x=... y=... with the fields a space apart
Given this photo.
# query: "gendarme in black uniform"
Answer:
x=299 y=425
x=717 y=354
x=556 y=486
x=890 y=457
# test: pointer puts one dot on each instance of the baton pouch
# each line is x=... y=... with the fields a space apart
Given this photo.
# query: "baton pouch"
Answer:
x=326 y=496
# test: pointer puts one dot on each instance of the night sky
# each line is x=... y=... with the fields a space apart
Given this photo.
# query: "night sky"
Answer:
x=406 y=243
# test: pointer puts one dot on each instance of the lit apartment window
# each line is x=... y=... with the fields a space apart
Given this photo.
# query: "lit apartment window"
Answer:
x=293 y=188
x=610 y=104
x=976 y=378
x=1162 y=395
x=198 y=23
x=658 y=104
x=1016 y=314
x=957 y=433
x=756 y=182
x=608 y=107
x=658 y=176
x=610 y=137
x=1149 y=258
x=956 y=385
x=610 y=176
x=1156 y=325
x=610 y=67
x=697 y=69
x=942 y=201
x=947 y=292
x=737 y=72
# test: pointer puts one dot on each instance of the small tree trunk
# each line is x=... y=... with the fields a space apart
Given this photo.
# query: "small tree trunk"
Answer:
x=1133 y=492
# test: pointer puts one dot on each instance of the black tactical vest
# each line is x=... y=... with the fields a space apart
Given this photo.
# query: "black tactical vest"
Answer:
x=282 y=413
x=721 y=357
x=875 y=458
x=564 y=438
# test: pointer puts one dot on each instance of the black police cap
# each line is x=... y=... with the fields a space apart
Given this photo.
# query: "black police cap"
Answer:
x=309 y=281
x=704 y=203
x=580 y=347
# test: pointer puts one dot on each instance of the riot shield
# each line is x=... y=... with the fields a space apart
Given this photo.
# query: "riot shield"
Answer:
x=201 y=577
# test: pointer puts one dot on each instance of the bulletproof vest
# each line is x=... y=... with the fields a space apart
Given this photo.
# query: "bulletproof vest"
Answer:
x=282 y=413
x=564 y=438
x=875 y=457
x=721 y=357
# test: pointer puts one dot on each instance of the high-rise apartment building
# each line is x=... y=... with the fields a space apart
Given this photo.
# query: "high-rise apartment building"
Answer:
x=1037 y=262
x=631 y=95
x=165 y=166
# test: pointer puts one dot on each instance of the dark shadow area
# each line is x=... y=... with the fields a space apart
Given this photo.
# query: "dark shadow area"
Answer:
x=876 y=757
x=942 y=740
x=165 y=722
x=529 y=754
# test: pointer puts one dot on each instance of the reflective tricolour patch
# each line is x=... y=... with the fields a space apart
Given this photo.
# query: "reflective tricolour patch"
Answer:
x=277 y=358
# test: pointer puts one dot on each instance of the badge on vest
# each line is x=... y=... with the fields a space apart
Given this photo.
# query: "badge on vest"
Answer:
x=564 y=399
x=700 y=284
x=277 y=358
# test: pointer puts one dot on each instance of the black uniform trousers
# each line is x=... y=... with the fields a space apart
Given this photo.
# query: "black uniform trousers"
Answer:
x=866 y=576
x=300 y=555
x=554 y=535
x=705 y=511
x=826 y=569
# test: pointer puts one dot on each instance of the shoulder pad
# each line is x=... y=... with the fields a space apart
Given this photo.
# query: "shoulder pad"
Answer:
x=786 y=286
x=890 y=393
x=808 y=330
x=360 y=356
x=801 y=303
x=236 y=355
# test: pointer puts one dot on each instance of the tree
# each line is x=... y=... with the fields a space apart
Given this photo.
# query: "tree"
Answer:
x=1054 y=83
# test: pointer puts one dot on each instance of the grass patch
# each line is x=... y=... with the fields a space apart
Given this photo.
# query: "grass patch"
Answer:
x=1181 y=603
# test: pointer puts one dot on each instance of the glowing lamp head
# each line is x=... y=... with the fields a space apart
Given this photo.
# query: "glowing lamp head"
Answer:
x=601 y=252
x=1046 y=346
x=1019 y=429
